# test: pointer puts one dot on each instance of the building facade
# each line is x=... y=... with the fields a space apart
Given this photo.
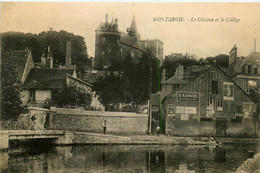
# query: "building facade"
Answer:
x=112 y=45
x=245 y=71
x=210 y=105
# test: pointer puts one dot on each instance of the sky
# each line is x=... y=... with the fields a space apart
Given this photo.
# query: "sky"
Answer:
x=240 y=25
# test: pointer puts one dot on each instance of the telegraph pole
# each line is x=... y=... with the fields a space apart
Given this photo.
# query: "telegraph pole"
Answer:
x=150 y=97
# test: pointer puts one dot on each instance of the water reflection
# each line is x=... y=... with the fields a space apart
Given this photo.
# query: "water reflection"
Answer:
x=123 y=158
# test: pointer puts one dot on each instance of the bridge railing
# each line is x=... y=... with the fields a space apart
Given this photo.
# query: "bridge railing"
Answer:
x=20 y=125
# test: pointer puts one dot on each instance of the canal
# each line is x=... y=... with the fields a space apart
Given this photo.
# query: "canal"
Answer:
x=123 y=158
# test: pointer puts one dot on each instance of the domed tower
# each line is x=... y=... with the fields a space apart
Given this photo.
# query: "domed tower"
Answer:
x=107 y=46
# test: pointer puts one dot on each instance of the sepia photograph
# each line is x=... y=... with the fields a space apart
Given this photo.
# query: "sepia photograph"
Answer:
x=152 y=87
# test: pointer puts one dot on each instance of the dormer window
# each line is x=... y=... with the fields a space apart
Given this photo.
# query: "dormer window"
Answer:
x=255 y=70
x=249 y=69
x=243 y=69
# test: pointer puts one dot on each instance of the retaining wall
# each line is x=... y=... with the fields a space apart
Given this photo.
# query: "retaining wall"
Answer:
x=92 y=121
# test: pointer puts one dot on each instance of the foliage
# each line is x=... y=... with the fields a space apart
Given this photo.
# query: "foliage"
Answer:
x=220 y=60
x=132 y=86
x=172 y=61
x=71 y=96
x=109 y=90
x=57 y=41
x=11 y=105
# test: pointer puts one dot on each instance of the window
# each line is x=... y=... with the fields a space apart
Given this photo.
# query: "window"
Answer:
x=239 y=109
x=206 y=119
x=210 y=103
x=249 y=69
x=214 y=87
x=219 y=104
x=171 y=110
x=255 y=70
x=32 y=95
x=243 y=69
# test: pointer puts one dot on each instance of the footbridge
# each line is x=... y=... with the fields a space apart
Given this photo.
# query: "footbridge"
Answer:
x=15 y=130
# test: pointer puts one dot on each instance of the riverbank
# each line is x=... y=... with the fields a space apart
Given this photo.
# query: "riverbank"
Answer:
x=80 y=138
x=250 y=165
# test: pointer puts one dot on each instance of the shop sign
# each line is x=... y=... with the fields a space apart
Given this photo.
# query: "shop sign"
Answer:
x=184 y=117
x=188 y=96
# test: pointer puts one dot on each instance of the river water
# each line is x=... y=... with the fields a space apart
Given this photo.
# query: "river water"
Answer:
x=123 y=158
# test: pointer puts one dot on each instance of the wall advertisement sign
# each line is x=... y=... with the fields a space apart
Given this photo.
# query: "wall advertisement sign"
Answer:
x=184 y=117
x=228 y=90
x=248 y=109
x=188 y=96
x=186 y=110
x=171 y=111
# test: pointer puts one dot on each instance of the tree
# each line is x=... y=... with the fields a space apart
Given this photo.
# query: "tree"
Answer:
x=137 y=80
x=172 y=61
x=220 y=60
x=109 y=91
x=38 y=43
x=132 y=86
x=71 y=96
x=11 y=105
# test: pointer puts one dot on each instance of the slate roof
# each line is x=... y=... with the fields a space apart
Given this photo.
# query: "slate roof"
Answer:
x=176 y=80
x=253 y=58
x=125 y=38
x=20 y=58
x=47 y=79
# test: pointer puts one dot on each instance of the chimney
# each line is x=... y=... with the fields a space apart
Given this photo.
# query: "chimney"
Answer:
x=116 y=21
x=233 y=55
x=49 y=60
x=43 y=59
x=68 y=55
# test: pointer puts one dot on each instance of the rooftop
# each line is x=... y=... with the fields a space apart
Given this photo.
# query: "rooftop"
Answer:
x=47 y=78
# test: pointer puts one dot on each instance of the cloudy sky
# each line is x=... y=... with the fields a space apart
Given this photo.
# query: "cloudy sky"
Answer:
x=202 y=38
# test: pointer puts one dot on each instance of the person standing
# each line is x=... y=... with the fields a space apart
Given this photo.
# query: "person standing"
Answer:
x=158 y=130
x=104 y=126
x=33 y=122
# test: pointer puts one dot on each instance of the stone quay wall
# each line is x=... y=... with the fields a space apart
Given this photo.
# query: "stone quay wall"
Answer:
x=92 y=121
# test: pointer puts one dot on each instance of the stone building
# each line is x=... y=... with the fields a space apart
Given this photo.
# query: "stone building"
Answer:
x=40 y=80
x=112 y=45
x=182 y=76
x=245 y=71
x=210 y=105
